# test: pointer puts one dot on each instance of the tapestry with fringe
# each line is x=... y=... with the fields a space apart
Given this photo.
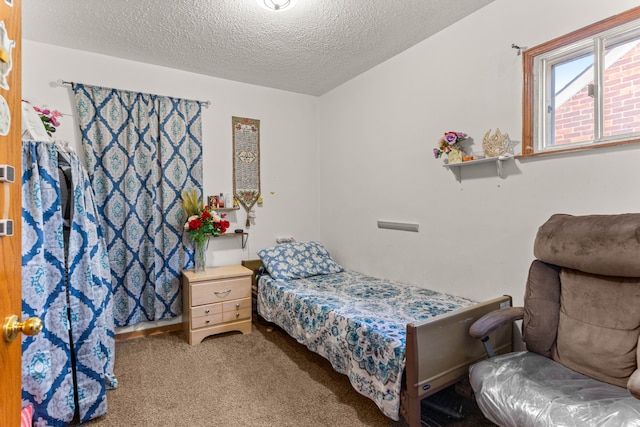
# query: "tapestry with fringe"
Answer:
x=246 y=163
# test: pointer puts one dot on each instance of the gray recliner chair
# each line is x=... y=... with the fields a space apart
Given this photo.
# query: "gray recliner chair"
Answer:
x=580 y=324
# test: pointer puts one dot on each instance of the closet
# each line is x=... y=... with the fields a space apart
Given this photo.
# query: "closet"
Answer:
x=66 y=281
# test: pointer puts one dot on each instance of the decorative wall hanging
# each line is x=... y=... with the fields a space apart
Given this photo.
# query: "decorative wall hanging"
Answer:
x=5 y=117
x=496 y=144
x=246 y=163
x=6 y=46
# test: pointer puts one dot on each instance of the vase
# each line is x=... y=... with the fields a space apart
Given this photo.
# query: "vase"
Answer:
x=200 y=256
x=455 y=156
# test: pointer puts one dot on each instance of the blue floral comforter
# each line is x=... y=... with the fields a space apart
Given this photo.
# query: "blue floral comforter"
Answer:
x=356 y=322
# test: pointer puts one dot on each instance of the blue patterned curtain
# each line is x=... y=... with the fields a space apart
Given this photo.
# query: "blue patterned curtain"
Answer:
x=141 y=151
x=74 y=304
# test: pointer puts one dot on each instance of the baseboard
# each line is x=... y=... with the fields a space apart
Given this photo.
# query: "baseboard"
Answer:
x=149 y=331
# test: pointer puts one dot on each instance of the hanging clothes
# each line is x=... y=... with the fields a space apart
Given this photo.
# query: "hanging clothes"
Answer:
x=67 y=368
x=142 y=150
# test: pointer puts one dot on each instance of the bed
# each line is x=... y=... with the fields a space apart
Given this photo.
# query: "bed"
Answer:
x=397 y=343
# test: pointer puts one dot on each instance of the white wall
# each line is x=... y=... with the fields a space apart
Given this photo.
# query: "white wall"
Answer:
x=363 y=152
x=377 y=133
x=288 y=145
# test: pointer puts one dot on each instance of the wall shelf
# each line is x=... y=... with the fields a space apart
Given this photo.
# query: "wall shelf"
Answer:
x=244 y=234
x=226 y=209
x=457 y=167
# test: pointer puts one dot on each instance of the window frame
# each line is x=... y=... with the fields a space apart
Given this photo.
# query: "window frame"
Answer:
x=530 y=102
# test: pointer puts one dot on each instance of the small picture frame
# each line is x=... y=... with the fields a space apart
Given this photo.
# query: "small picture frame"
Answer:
x=213 y=202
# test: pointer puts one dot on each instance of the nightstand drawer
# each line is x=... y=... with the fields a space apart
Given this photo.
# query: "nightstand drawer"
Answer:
x=200 y=322
x=206 y=310
x=236 y=305
x=220 y=290
x=229 y=316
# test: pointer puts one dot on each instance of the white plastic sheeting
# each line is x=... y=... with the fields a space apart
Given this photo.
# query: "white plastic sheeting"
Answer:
x=525 y=389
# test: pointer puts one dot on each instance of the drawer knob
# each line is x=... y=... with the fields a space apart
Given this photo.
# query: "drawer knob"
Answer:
x=238 y=305
x=208 y=321
x=237 y=314
x=207 y=311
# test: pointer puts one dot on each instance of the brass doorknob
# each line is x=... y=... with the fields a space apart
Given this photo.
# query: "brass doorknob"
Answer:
x=31 y=326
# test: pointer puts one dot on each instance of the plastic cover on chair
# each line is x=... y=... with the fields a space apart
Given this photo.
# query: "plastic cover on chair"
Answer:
x=536 y=391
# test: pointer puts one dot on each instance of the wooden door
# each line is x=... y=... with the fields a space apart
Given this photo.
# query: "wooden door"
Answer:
x=11 y=246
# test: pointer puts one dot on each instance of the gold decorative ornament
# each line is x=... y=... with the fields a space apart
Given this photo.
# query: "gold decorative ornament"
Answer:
x=497 y=144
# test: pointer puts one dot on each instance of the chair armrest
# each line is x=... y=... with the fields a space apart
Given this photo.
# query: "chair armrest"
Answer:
x=633 y=385
x=493 y=320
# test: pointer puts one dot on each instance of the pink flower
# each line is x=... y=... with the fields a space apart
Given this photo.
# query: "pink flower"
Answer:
x=450 y=137
x=49 y=118
x=448 y=142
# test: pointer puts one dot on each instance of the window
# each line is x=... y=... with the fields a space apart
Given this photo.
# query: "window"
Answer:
x=582 y=90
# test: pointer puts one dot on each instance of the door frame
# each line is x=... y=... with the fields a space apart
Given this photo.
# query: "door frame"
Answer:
x=11 y=246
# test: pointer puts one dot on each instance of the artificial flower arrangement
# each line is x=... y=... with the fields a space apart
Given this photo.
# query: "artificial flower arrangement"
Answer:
x=449 y=141
x=207 y=223
x=49 y=118
x=203 y=222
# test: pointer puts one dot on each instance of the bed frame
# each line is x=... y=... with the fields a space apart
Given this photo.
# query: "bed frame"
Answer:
x=440 y=351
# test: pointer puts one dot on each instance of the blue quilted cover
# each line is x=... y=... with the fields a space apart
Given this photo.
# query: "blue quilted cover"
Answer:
x=356 y=322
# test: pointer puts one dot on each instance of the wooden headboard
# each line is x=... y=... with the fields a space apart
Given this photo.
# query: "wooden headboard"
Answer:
x=253 y=265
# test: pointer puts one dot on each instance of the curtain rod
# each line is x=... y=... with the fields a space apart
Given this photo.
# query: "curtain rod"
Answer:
x=61 y=82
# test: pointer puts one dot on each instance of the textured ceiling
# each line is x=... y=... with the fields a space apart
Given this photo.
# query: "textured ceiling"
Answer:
x=311 y=48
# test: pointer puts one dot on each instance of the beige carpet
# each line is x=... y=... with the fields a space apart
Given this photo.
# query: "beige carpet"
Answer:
x=260 y=379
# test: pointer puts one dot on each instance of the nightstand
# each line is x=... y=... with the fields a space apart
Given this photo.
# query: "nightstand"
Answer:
x=216 y=301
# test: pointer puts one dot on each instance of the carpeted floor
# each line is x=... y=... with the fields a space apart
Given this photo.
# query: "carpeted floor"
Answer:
x=260 y=379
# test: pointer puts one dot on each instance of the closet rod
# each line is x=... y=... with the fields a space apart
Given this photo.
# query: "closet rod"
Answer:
x=61 y=82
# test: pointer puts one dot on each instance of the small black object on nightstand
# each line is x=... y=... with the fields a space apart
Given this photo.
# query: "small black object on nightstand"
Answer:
x=239 y=230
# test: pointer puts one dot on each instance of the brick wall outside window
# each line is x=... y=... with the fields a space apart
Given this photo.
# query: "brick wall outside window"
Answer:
x=574 y=119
